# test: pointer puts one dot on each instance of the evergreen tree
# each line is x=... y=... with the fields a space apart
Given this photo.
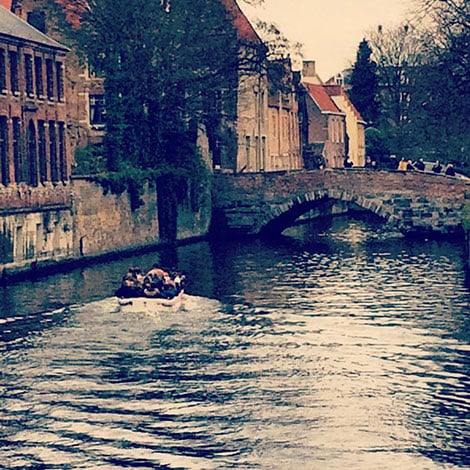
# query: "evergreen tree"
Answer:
x=364 y=84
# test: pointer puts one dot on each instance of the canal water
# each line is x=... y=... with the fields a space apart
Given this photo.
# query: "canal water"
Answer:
x=339 y=346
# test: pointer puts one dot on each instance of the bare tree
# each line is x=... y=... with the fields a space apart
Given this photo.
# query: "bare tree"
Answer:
x=398 y=53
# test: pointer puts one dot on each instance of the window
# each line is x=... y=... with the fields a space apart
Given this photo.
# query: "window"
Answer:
x=32 y=154
x=97 y=111
x=14 y=85
x=28 y=69
x=247 y=149
x=59 y=81
x=3 y=79
x=42 y=151
x=62 y=160
x=4 y=160
x=17 y=163
x=50 y=79
x=38 y=76
x=53 y=152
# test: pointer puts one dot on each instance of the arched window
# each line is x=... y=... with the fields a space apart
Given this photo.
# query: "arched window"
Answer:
x=32 y=154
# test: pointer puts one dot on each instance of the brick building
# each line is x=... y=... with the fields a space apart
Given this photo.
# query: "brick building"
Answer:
x=32 y=105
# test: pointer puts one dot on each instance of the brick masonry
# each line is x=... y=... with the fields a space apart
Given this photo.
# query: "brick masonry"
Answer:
x=413 y=202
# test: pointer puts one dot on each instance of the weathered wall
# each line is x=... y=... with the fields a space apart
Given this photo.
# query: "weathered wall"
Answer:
x=40 y=227
x=105 y=223
x=413 y=202
x=466 y=227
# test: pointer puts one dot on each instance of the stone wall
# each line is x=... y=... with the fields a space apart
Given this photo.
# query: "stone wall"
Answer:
x=51 y=225
x=466 y=227
x=413 y=202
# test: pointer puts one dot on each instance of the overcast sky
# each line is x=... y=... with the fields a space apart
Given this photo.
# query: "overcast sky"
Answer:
x=330 y=31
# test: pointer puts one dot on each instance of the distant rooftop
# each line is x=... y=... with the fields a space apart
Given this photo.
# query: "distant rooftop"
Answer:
x=243 y=26
x=321 y=98
x=11 y=25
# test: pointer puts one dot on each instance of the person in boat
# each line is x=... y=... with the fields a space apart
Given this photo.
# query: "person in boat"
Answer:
x=169 y=288
x=437 y=168
x=131 y=284
x=179 y=279
x=450 y=170
x=153 y=281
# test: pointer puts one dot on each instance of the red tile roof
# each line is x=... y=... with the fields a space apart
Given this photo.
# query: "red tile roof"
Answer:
x=245 y=30
x=321 y=98
x=73 y=10
x=6 y=4
x=337 y=90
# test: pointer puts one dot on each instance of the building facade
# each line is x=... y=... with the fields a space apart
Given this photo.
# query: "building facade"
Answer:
x=35 y=217
x=283 y=118
x=32 y=105
x=264 y=129
x=355 y=124
x=84 y=89
x=323 y=129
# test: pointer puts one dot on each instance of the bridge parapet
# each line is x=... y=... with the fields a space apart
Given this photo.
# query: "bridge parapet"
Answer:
x=265 y=202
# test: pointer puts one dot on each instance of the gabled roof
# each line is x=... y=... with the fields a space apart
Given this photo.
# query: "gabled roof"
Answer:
x=245 y=30
x=321 y=98
x=337 y=90
x=11 y=25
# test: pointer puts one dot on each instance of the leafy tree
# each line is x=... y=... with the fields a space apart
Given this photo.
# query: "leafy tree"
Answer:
x=364 y=81
x=162 y=62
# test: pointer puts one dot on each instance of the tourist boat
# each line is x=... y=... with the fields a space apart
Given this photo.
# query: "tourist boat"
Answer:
x=151 y=303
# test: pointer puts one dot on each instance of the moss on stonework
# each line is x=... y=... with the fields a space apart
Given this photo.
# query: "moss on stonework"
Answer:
x=466 y=212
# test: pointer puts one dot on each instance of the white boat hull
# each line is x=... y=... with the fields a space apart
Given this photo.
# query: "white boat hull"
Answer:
x=150 y=304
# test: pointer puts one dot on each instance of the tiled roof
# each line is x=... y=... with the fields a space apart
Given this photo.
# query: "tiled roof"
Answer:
x=6 y=4
x=244 y=28
x=337 y=90
x=73 y=10
x=321 y=98
x=11 y=25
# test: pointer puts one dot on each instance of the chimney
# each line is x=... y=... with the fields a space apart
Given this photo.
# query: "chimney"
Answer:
x=308 y=69
x=309 y=73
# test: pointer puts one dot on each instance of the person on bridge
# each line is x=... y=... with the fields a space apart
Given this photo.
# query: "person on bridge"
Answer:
x=402 y=164
x=419 y=165
x=131 y=284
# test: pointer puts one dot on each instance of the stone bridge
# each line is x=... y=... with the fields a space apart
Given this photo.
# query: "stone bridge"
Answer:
x=267 y=203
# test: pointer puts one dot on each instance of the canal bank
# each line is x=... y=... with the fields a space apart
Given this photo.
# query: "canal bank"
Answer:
x=68 y=225
x=466 y=227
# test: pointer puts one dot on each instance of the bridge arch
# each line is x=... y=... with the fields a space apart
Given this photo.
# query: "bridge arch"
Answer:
x=318 y=204
x=413 y=202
